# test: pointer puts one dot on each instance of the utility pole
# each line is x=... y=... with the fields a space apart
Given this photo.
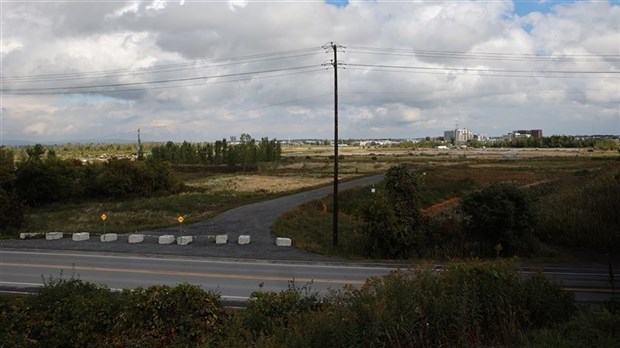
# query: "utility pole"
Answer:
x=140 y=153
x=334 y=46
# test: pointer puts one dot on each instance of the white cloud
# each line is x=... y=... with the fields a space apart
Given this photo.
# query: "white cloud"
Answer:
x=193 y=39
x=237 y=4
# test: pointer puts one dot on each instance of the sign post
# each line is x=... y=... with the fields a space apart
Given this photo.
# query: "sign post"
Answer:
x=103 y=218
x=180 y=220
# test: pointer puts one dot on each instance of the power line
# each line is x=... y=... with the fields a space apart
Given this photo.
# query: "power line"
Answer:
x=484 y=70
x=79 y=89
x=483 y=55
x=481 y=72
x=168 y=86
x=164 y=67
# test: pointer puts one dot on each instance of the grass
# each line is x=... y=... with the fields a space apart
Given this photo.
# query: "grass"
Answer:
x=448 y=174
x=137 y=214
x=557 y=182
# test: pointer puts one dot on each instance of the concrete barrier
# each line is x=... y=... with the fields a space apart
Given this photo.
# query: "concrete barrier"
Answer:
x=81 y=236
x=109 y=237
x=283 y=242
x=53 y=235
x=135 y=238
x=244 y=239
x=184 y=240
x=221 y=239
x=166 y=239
x=25 y=235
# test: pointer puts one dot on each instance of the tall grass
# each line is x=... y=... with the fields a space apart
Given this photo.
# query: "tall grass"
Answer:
x=468 y=305
x=584 y=211
x=135 y=214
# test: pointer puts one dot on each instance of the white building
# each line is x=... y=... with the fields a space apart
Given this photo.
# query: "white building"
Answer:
x=459 y=135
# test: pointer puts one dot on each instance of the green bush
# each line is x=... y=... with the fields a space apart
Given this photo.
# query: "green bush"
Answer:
x=44 y=181
x=270 y=310
x=466 y=305
x=183 y=315
x=586 y=329
x=392 y=220
x=69 y=313
x=500 y=214
x=11 y=212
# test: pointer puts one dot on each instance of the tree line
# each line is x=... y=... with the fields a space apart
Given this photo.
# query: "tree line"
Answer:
x=248 y=153
x=44 y=178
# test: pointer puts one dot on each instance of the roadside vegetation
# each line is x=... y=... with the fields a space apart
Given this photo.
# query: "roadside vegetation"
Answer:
x=569 y=195
x=524 y=208
x=467 y=305
x=432 y=205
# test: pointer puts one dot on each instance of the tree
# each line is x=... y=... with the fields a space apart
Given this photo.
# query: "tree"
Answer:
x=7 y=168
x=11 y=211
x=500 y=214
x=47 y=181
x=35 y=152
x=392 y=222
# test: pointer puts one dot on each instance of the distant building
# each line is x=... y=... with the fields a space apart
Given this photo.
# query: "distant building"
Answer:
x=458 y=136
x=527 y=133
x=233 y=139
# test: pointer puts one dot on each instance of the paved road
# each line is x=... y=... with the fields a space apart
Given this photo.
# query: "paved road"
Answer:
x=233 y=279
x=254 y=220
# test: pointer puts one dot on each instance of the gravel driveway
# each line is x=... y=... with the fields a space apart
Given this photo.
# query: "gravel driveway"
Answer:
x=254 y=220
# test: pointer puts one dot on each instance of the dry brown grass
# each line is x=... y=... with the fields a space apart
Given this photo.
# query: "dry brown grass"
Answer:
x=256 y=183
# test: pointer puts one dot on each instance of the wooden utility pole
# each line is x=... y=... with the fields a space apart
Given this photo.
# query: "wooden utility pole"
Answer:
x=334 y=63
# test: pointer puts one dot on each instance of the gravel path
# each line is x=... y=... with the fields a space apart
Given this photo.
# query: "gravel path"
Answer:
x=254 y=220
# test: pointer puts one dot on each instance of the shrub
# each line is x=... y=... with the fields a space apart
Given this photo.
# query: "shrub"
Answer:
x=11 y=212
x=52 y=180
x=270 y=310
x=500 y=214
x=586 y=329
x=69 y=313
x=393 y=220
x=183 y=315
x=466 y=305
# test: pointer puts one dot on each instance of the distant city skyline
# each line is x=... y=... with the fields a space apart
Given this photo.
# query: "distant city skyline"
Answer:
x=75 y=71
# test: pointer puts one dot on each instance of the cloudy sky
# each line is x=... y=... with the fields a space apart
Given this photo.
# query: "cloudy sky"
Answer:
x=203 y=70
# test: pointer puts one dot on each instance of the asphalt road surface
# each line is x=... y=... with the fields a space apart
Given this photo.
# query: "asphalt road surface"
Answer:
x=232 y=279
x=25 y=271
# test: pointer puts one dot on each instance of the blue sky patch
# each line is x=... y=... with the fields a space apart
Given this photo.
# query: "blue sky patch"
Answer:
x=523 y=7
x=338 y=3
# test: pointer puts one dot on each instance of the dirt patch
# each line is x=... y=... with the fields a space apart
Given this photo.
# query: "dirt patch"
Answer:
x=257 y=183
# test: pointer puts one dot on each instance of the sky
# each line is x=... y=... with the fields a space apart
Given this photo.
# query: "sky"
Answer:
x=206 y=70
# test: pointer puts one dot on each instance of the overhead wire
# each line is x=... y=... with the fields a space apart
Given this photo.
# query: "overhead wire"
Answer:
x=462 y=69
x=80 y=89
x=167 y=86
x=482 y=55
x=164 y=67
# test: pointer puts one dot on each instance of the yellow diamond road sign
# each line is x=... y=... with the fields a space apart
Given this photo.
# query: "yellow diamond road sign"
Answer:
x=103 y=217
x=180 y=219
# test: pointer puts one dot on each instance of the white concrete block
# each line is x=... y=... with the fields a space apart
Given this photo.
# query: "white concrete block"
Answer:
x=184 y=240
x=283 y=242
x=25 y=235
x=136 y=238
x=80 y=236
x=244 y=239
x=109 y=237
x=221 y=239
x=53 y=235
x=166 y=239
